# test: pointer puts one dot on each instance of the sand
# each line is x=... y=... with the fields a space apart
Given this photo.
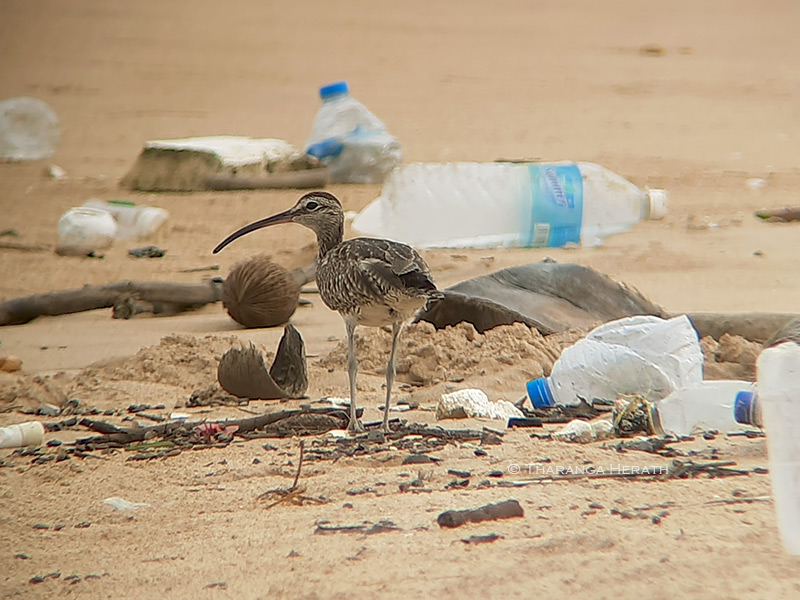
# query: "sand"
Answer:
x=697 y=98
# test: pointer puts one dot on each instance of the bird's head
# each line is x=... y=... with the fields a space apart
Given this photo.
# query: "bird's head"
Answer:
x=319 y=211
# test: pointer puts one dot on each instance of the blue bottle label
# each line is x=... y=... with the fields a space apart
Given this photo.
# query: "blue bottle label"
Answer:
x=557 y=206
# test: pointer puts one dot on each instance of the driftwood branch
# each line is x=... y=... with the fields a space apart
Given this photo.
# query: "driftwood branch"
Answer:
x=490 y=512
x=25 y=247
x=127 y=436
x=141 y=296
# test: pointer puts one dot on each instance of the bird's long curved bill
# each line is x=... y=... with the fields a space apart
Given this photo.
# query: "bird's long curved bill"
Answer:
x=284 y=217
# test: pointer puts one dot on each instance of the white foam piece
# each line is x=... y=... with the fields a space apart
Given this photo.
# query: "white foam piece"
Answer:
x=232 y=151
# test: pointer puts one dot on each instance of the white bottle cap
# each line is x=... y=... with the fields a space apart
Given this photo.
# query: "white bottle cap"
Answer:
x=658 y=203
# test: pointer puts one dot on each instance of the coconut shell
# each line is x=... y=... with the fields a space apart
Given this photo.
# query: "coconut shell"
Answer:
x=243 y=372
x=260 y=293
x=289 y=368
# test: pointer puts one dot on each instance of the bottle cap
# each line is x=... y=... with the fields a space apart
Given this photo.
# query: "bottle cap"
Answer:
x=333 y=89
x=540 y=393
x=743 y=407
x=658 y=203
x=329 y=147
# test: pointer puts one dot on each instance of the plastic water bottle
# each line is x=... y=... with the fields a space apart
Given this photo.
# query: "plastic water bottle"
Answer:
x=778 y=370
x=351 y=141
x=709 y=405
x=29 y=129
x=643 y=355
x=133 y=221
x=507 y=204
x=30 y=433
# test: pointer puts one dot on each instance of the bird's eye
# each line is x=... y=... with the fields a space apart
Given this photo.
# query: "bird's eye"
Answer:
x=312 y=205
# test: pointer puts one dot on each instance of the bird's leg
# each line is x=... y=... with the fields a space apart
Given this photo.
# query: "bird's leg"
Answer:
x=355 y=425
x=390 y=373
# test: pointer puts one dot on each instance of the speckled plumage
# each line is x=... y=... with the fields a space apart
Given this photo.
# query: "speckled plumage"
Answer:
x=378 y=282
x=371 y=282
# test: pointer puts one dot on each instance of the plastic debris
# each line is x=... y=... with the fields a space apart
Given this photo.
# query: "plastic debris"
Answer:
x=118 y=503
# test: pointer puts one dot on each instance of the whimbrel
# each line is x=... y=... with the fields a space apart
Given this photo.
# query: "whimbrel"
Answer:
x=371 y=282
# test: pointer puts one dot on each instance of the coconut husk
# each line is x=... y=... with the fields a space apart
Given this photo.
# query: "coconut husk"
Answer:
x=260 y=293
x=243 y=372
x=289 y=368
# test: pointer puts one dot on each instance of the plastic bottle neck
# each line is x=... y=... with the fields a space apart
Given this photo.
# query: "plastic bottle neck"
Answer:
x=540 y=393
x=335 y=96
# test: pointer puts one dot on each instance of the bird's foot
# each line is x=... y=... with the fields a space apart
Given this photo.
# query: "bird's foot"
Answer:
x=355 y=427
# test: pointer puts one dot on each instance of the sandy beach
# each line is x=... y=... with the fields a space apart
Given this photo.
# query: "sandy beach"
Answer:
x=700 y=99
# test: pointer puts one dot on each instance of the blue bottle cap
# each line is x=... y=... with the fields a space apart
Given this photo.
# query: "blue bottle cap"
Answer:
x=540 y=393
x=333 y=89
x=742 y=408
x=330 y=147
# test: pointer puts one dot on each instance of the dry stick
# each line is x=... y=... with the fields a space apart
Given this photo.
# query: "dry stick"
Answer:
x=489 y=512
x=21 y=310
x=293 y=492
x=741 y=500
x=200 y=269
x=299 y=465
x=25 y=247
x=126 y=436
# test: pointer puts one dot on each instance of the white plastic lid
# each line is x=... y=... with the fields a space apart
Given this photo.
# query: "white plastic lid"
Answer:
x=658 y=203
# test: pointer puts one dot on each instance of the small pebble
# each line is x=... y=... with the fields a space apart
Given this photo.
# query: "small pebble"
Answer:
x=457 y=473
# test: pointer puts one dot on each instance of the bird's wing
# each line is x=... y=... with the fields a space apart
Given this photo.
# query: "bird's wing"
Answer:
x=393 y=265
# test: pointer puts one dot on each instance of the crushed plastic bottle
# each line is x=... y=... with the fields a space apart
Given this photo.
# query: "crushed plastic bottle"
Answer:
x=133 y=221
x=778 y=374
x=478 y=205
x=29 y=129
x=351 y=141
x=83 y=230
x=643 y=355
x=709 y=405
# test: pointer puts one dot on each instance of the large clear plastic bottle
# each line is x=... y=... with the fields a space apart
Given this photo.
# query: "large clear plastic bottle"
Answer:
x=643 y=355
x=507 y=204
x=351 y=141
x=778 y=370
x=133 y=221
x=708 y=405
